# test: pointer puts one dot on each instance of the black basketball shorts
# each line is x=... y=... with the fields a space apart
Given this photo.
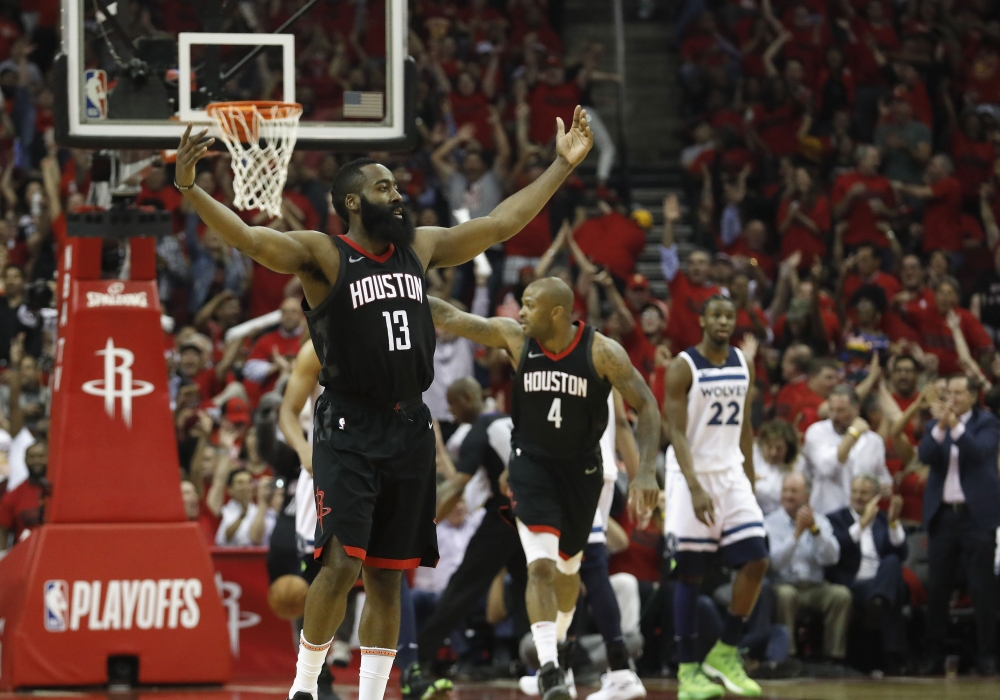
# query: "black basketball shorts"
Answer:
x=374 y=474
x=558 y=496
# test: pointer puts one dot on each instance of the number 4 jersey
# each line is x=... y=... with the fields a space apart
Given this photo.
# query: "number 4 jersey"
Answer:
x=374 y=333
x=715 y=410
x=560 y=403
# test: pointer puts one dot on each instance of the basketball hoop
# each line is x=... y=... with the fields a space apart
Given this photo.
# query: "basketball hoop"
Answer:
x=260 y=137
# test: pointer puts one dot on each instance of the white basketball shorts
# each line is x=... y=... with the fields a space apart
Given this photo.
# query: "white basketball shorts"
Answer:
x=737 y=515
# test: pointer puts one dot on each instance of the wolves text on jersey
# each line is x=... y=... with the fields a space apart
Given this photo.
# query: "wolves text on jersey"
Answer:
x=723 y=392
x=557 y=382
x=386 y=286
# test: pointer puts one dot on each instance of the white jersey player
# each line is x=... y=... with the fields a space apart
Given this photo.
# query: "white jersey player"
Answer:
x=709 y=495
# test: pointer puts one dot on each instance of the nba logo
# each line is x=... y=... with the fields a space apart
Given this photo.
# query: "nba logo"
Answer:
x=95 y=90
x=56 y=605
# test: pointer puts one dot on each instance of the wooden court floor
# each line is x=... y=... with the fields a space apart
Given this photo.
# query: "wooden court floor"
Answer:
x=963 y=688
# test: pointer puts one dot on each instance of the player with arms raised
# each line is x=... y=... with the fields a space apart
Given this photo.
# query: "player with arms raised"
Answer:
x=710 y=497
x=370 y=321
x=565 y=372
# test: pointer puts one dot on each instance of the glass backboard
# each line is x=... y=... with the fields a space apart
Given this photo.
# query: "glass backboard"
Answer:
x=133 y=73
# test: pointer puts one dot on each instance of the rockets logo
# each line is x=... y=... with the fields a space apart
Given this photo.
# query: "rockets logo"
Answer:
x=117 y=364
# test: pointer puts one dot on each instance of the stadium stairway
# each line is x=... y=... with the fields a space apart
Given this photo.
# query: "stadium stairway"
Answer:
x=652 y=114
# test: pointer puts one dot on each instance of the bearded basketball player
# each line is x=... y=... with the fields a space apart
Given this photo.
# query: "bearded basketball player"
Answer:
x=370 y=321
x=565 y=372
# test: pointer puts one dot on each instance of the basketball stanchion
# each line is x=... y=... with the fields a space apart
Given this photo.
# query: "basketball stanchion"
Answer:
x=116 y=585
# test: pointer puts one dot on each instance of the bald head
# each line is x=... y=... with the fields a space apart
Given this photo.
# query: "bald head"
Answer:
x=554 y=292
x=465 y=399
x=546 y=307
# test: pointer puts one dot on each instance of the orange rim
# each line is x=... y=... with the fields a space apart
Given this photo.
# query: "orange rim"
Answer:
x=264 y=107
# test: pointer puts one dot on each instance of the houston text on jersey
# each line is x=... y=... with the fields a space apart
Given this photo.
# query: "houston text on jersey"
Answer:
x=386 y=286
x=553 y=381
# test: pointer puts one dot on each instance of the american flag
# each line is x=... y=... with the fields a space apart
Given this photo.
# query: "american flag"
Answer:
x=366 y=105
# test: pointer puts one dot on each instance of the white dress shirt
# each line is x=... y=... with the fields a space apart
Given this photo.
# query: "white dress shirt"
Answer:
x=230 y=513
x=870 y=558
x=831 y=480
x=800 y=560
x=769 y=479
x=952 y=483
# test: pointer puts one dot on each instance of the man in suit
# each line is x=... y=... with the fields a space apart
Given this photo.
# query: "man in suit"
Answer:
x=872 y=552
x=961 y=515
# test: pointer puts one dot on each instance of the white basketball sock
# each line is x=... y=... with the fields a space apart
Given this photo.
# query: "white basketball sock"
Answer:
x=376 y=663
x=563 y=621
x=544 y=634
x=308 y=665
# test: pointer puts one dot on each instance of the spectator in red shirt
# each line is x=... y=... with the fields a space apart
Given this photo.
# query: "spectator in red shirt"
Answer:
x=21 y=508
x=864 y=199
x=192 y=368
x=274 y=352
x=804 y=220
x=913 y=278
x=221 y=313
x=612 y=240
x=810 y=402
x=749 y=316
x=552 y=97
x=773 y=125
x=863 y=268
x=943 y=210
x=689 y=290
x=195 y=510
x=973 y=154
x=936 y=338
x=795 y=365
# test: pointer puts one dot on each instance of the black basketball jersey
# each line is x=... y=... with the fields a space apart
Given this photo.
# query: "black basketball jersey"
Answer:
x=373 y=333
x=560 y=403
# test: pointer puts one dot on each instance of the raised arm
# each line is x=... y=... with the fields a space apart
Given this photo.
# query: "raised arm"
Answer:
x=494 y=332
x=611 y=361
x=444 y=247
x=300 y=386
x=290 y=253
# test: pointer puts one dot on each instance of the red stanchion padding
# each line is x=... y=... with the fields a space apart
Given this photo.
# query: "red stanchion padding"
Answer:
x=73 y=595
x=143 y=258
x=261 y=644
x=113 y=452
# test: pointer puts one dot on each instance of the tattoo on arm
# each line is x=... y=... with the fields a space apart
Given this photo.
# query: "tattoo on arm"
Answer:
x=494 y=332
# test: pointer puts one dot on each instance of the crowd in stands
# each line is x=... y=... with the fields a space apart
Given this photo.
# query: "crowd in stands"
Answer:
x=843 y=184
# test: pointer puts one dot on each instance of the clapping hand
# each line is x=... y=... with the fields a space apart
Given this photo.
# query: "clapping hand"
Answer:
x=895 y=508
x=871 y=510
x=804 y=520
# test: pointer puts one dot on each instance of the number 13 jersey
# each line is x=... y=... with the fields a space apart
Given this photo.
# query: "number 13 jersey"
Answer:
x=715 y=411
x=373 y=333
x=560 y=402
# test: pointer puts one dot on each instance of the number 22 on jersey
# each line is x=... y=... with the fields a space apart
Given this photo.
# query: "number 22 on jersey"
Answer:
x=397 y=318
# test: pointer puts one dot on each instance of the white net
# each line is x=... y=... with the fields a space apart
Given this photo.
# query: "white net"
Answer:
x=260 y=138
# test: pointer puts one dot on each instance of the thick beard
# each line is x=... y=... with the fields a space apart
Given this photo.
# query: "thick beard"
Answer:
x=382 y=225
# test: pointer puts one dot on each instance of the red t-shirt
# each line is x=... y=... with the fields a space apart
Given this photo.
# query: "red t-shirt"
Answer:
x=788 y=399
x=862 y=221
x=642 y=558
x=778 y=127
x=744 y=324
x=887 y=282
x=613 y=241
x=943 y=217
x=286 y=346
x=921 y=104
x=473 y=109
x=208 y=522
x=547 y=103
x=267 y=291
x=534 y=239
x=982 y=76
x=973 y=163
x=21 y=509
x=686 y=301
x=936 y=337
x=799 y=238
x=904 y=403
x=757 y=258
x=640 y=351
x=167 y=198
